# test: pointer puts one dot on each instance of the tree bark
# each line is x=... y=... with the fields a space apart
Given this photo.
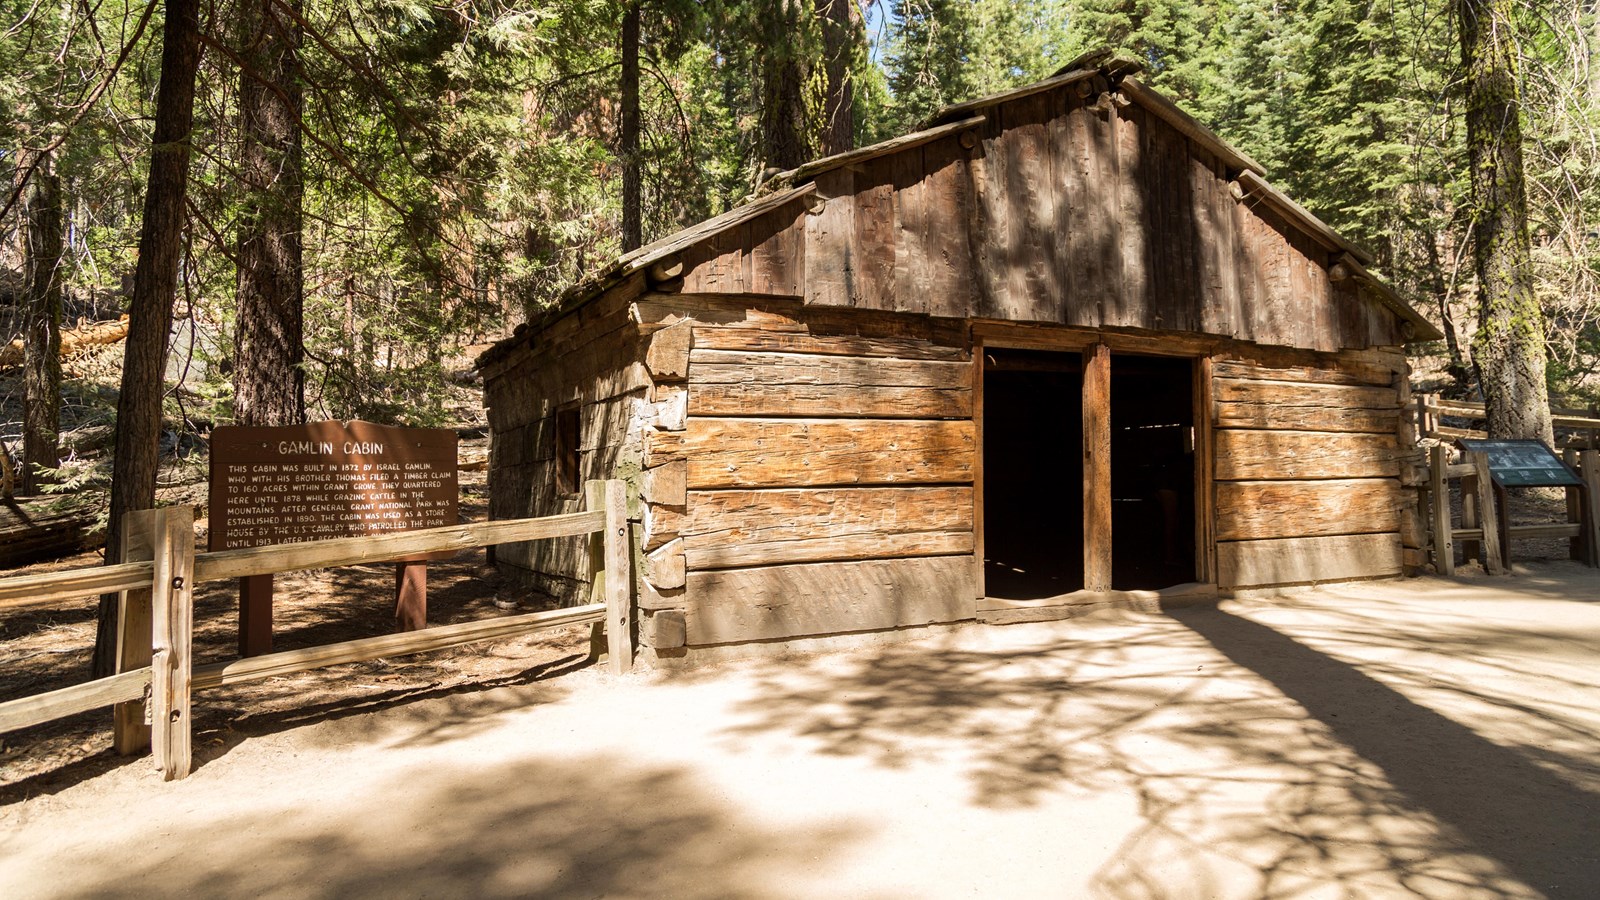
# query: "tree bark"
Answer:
x=41 y=403
x=783 y=82
x=155 y=282
x=269 y=348
x=628 y=143
x=839 y=20
x=1509 y=348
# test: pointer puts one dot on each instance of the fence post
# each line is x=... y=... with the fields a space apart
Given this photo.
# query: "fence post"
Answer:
x=1444 y=548
x=172 y=618
x=1488 y=513
x=618 y=560
x=130 y=724
x=1589 y=470
x=594 y=498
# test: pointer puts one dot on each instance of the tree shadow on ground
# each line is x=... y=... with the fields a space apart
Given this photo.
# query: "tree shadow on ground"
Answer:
x=1244 y=747
x=600 y=827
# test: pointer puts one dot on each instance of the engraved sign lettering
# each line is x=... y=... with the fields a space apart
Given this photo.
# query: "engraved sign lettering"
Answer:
x=285 y=485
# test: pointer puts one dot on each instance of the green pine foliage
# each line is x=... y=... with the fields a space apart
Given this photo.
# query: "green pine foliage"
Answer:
x=461 y=164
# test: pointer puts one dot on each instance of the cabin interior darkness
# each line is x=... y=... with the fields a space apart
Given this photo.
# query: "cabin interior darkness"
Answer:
x=1032 y=474
x=1152 y=472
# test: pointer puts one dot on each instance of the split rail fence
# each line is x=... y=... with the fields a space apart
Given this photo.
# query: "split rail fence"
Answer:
x=157 y=572
x=1582 y=426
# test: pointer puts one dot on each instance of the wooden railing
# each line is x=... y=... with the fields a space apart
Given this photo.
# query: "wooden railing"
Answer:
x=1486 y=532
x=1429 y=409
x=159 y=569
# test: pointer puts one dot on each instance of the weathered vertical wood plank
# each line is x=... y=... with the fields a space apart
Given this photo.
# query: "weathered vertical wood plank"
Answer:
x=987 y=225
x=1134 y=221
x=977 y=469
x=1033 y=247
x=876 y=239
x=172 y=617
x=1493 y=562
x=1205 y=526
x=945 y=206
x=1470 y=488
x=913 y=226
x=1219 y=299
x=830 y=241
x=619 y=615
x=1097 y=468
x=130 y=733
x=1590 y=471
x=1577 y=547
x=1444 y=549
x=778 y=257
x=594 y=497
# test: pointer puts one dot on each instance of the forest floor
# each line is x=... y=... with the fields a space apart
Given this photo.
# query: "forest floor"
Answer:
x=1422 y=737
x=45 y=648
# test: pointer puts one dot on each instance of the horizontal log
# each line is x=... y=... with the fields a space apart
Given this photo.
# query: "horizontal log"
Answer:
x=731 y=528
x=841 y=547
x=1304 y=407
x=735 y=337
x=726 y=453
x=745 y=367
x=1258 y=510
x=69 y=701
x=736 y=605
x=662 y=447
x=1546 y=530
x=53 y=587
x=840 y=401
x=1301 y=560
x=377 y=548
x=442 y=637
x=1267 y=455
x=1344 y=373
x=739 y=383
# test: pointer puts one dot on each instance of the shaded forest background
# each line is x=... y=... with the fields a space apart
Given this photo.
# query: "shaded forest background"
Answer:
x=461 y=164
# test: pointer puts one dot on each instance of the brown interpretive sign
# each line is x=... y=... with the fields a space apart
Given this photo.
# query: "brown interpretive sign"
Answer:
x=294 y=483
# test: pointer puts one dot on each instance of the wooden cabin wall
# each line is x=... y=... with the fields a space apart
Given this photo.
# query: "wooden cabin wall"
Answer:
x=1308 y=459
x=821 y=482
x=1056 y=209
x=591 y=358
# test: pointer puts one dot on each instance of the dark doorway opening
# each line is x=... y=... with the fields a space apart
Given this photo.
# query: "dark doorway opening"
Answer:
x=1032 y=474
x=1152 y=472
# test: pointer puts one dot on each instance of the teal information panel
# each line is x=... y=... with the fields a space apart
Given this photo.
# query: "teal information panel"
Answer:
x=1524 y=463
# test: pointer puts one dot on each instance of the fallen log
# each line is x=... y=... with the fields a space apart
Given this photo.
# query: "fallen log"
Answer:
x=45 y=528
x=73 y=340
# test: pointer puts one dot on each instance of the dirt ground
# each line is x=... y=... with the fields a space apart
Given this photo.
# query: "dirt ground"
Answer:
x=49 y=647
x=1426 y=737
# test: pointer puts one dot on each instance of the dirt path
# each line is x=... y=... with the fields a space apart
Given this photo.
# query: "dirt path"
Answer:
x=1418 y=738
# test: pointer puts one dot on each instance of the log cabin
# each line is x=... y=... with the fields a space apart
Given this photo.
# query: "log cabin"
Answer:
x=1060 y=348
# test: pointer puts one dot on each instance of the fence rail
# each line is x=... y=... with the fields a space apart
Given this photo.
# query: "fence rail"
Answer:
x=156 y=578
x=1428 y=408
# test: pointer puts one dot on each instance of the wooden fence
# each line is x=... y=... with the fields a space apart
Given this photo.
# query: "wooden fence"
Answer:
x=1486 y=532
x=157 y=572
x=1429 y=409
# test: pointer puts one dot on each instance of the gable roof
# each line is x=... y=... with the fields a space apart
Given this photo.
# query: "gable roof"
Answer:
x=1099 y=72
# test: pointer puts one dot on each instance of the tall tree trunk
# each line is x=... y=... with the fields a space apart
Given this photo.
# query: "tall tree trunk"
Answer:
x=783 y=83
x=1510 y=344
x=628 y=149
x=155 y=283
x=41 y=403
x=269 y=349
x=840 y=20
